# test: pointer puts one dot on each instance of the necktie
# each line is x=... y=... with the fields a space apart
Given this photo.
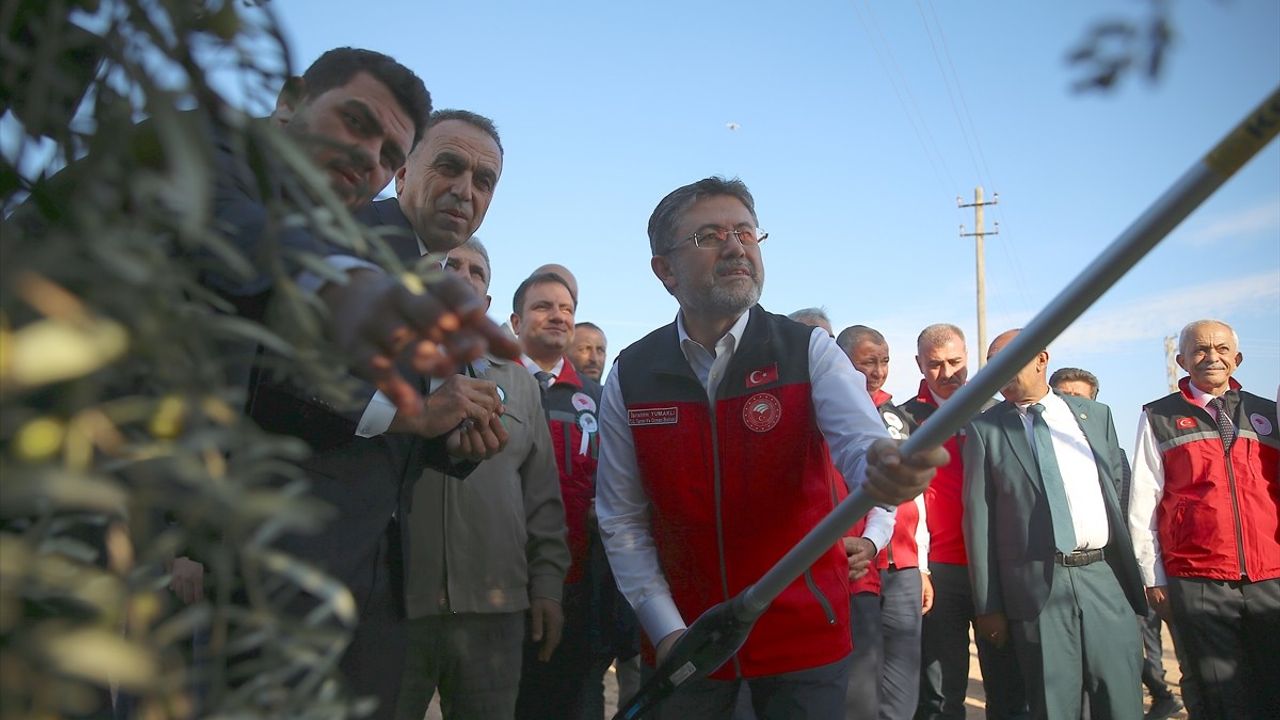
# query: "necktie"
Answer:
x=1226 y=428
x=1064 y=534
x=545 y=379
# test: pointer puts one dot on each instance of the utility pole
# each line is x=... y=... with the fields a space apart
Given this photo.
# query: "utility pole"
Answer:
x=1171 y=362
x=981 y=268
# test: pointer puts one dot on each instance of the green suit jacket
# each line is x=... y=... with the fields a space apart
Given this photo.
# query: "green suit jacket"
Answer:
x=1007 y=527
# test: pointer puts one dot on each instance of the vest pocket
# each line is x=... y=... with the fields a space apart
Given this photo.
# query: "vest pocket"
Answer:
x=822 y=599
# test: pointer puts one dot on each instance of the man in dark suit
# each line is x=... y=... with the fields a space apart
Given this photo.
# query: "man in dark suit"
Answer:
x=1050 y=557
x=361 y=470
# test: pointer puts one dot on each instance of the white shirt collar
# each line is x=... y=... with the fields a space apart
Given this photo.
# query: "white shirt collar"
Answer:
x=728 y=342
x=534 y=367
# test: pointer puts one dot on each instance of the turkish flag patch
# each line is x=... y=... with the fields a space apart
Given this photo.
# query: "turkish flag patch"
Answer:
x=1185 y=423
x=763 y=376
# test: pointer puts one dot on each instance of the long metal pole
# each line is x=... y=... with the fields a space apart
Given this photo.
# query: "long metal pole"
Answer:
x=1171 y=208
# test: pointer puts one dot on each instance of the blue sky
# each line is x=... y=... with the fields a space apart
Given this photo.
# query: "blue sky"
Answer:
x=858 y=125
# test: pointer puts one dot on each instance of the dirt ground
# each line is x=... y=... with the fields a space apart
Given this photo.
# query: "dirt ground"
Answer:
x=975 y=702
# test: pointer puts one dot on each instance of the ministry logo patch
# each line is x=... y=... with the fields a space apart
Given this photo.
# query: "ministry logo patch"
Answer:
x=762 y=412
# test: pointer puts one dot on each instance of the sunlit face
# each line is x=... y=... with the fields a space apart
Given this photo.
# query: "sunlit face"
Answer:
x=1029 y=383
x=471 y=267
x=446 y=186
x=1210 y=357
x=357 y=133
x=872 y=360
x=945 y=367
x=1078 y=388
x=545 y=325
x=721 y=283
x=587 y=351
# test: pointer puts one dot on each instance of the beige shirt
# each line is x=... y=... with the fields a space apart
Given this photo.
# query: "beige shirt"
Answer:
x=489 y=543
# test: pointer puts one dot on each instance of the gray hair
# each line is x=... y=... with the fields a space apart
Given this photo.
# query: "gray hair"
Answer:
x=1185 y=335
x=810 y=315
x=849 y=337
x=473 y=243
x=938 y=334
x=665 y=217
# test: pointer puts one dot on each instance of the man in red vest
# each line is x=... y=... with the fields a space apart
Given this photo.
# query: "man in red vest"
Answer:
x=943 y=360
x=1203 y=512
x=906 y=592
x=718 y=433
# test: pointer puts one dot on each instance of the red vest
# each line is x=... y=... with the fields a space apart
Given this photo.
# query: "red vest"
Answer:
x=736 y=483
x=943 y=501
x=566 y=406
x=1219 y=517
x=902 y=544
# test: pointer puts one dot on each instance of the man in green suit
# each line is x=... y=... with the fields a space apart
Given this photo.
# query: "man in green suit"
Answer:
x=1050 y=557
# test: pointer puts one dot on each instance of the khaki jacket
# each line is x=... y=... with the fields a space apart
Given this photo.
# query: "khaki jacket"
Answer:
x=489 y=543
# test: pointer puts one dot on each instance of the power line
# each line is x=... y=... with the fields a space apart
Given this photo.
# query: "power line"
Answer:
x=909 y=106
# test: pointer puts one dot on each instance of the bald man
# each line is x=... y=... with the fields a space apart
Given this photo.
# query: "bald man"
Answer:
x=1050 y=559
x=1204 y=517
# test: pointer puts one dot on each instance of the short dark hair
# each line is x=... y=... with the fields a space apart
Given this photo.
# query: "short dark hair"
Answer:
x=1072 y=374
x=665 y=217
x=589 y=326
x=474 y=119
x=849 y=337
x=517 y=302
x=336 y=67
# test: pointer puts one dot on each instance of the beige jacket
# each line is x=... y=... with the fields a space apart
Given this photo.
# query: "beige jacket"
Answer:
x=489 y=543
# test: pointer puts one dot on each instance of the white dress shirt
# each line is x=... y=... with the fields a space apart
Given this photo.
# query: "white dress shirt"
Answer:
x=1078 y=467
x=844 y=414
x=534 y=368
x=1146 y=488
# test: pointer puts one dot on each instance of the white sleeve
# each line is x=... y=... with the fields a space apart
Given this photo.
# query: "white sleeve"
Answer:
x=879 y=528
x=377 y=416
x=922 y=535
x=845 y=414
x=1145 y=490
x=312 y=282
x=623 y=510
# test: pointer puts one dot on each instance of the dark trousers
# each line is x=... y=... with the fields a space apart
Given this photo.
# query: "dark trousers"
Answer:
x=813 y=694
x=1081 y=643
x=374 y=661
x=1230 y=633
x=556 y=689
x=862 y=695
x=472 y=659
x=944 y=671
x=1153 y=656
x=900 y=622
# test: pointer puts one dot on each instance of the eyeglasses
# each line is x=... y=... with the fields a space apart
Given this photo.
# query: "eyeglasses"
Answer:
x=714 y=238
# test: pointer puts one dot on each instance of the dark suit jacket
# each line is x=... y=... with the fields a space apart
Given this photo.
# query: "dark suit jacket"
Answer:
x=1007 y=526
x=366 y=480
x=387 y=215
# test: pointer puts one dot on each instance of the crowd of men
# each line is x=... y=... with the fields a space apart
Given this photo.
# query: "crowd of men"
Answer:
x=510 y=528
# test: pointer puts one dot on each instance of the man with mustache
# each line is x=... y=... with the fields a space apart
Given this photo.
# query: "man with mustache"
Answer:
x=1204 y=511
x=718 y=432
x=944 y=673
x=906 y=592
x=588 y=351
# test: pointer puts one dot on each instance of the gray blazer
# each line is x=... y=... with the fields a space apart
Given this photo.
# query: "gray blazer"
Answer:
x=1007 y=527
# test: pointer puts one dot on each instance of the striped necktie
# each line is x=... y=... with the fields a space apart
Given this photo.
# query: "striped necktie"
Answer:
x=1226 y=428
